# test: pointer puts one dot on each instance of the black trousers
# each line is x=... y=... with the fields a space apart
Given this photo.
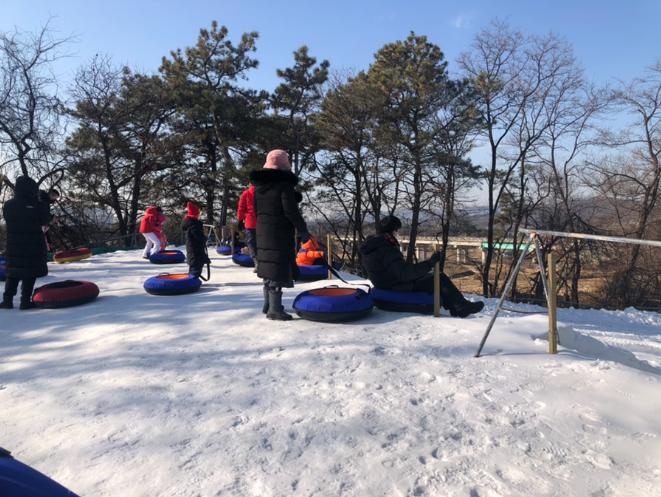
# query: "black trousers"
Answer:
x=11 y=287
x=450 y=294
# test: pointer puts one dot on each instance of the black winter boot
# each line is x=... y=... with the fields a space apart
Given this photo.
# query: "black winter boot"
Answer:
x=7 y=303
x=455 y=302
x=468 y=308
x=276 y=310
x=26 y=304
x=265 y=308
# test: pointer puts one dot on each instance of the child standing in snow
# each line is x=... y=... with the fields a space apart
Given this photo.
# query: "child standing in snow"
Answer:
x=247 y=220
x=160 y=221
x=196 y=241
x=149 y=229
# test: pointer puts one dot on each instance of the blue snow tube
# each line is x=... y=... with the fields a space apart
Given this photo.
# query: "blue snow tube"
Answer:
x=243 y=260
x=315 y=272
x=20 y=480
x=390 y=300
x=167 y=257
x=227 y=250
x=333 y=304
x=172 y=284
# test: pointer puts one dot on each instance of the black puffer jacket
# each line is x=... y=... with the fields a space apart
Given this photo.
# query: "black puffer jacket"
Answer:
x=278 y=218
x=45 y=198
x=386 y=267
x=196 y=242
x=25 y=214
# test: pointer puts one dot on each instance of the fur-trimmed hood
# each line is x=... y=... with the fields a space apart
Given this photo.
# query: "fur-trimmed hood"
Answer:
x=265 y=177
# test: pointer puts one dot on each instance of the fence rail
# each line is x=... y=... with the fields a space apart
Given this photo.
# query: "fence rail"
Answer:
x=533 y=236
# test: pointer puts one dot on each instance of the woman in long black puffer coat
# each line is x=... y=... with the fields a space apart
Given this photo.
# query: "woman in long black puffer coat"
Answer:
x=278 y=218
x=26 y=257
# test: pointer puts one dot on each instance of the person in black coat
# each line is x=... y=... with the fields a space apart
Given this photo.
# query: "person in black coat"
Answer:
x=388 y=270
x=26 y=258
x=278 y=218
x=196 y=241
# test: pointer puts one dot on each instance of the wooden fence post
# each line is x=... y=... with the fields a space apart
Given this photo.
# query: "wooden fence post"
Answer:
x=437 y=286
x=329 y=255
x=553 y=307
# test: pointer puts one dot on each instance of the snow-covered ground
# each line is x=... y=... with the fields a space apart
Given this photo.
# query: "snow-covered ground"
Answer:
x=199 y=395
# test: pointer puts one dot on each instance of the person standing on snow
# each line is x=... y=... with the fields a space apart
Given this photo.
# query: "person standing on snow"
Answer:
x=49 y=197
x=247 y=220
x=196 y=241
x=160 y=221
x=387 y=270
x=278 y=218
x=149 y=229
x=26 y=257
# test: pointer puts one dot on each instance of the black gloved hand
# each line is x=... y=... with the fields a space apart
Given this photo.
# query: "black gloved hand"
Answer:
x=241 y=225
x=435 y=258
x=305 y=236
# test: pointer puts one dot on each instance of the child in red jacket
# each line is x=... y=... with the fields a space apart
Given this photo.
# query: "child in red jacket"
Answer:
x=149 y=230
x=247 y=219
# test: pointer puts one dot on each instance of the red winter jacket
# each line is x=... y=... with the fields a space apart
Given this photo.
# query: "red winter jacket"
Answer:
x=247 y=208
x=149 y=222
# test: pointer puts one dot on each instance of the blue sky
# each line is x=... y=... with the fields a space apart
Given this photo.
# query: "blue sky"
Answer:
x=611 y=39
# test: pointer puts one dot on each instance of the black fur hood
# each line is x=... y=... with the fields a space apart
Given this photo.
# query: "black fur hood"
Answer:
x=266 y=176
x=263 y=179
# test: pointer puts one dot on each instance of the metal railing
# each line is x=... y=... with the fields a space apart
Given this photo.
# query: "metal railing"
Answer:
x=551 y=300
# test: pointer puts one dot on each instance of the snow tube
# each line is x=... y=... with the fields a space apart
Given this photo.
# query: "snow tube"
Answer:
x=243 y=260
x=333 y=304
x=227 y=250
x=65 y=294
x=313 y=273
x=167 y=257
x=172 y=284
x=390 y=300
x=20 y=480
x=3 y=271
x=72 y=255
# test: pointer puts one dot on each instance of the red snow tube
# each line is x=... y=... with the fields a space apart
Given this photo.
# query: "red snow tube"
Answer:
x=72 y=255
x=3 y=271
x=65 y=294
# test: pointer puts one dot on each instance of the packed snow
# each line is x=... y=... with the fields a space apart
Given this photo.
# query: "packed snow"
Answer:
x=200 y=395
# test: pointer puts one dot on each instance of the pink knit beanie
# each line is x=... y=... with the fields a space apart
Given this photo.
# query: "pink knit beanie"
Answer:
x=277 y=159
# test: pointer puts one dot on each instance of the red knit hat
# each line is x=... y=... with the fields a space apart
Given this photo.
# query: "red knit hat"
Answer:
x=277 y=159
x=193 y=210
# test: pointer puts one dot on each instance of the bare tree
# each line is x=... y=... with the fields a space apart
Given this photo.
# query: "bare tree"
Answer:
x=30 y=107
x=514 y=75
x=630 y=180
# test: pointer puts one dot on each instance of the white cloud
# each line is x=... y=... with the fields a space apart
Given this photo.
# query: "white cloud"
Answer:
x=462 y=21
